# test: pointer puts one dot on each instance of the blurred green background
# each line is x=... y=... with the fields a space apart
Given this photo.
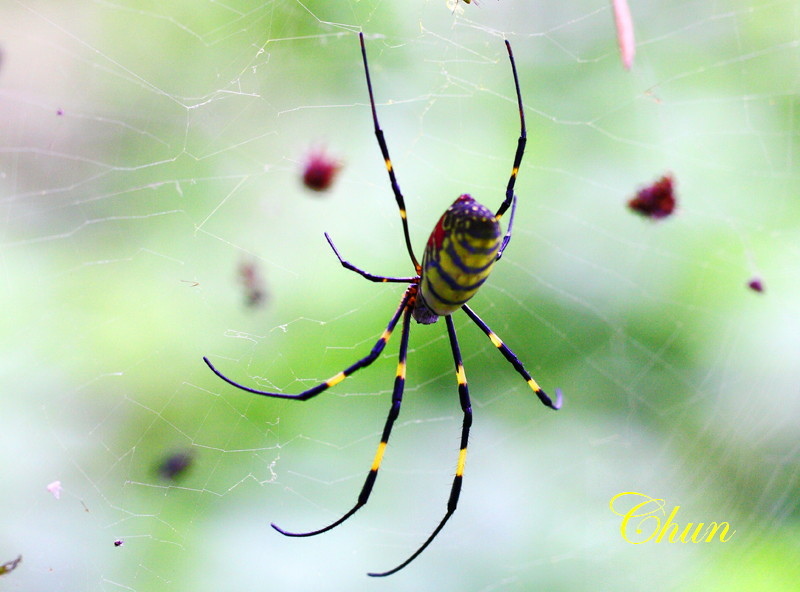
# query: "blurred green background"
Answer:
x=150 y=150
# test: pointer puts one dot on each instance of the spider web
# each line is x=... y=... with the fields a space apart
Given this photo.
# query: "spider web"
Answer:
x=150 y=157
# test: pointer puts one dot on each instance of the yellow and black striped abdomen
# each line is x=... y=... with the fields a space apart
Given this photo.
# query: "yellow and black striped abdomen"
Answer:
x=458 y=258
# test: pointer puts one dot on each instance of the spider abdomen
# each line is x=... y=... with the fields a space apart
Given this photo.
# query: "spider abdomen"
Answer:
x=458 y=258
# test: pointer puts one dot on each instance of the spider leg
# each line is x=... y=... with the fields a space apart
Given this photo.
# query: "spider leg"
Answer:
x=520 y=144
x=394 y=411
x=365 y=274
x=507 y=237
x=511 y=357
x=455 y=490
x=336 y=378
x=398 y=195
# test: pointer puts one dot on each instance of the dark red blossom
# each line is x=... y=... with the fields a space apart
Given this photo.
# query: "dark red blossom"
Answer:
x=756 y=285
x=320 y=170
x=250 y=278
x=655 y=201
x=175 y=465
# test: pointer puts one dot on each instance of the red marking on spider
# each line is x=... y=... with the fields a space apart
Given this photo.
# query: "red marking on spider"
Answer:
x=655 y=201
x=437 y=236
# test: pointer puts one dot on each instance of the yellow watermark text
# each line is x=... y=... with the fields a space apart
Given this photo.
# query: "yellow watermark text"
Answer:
x=643 y=522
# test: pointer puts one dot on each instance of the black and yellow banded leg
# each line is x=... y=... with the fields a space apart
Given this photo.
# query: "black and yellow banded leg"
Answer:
x=365 y=274
x=394 y=412
x=455 y=490
x=398 y=195
x=336 y=378
x=511 y=357
x=523 y=139
x=507 y=237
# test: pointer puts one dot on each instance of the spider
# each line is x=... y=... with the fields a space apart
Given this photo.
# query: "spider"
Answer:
x=460 y=253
